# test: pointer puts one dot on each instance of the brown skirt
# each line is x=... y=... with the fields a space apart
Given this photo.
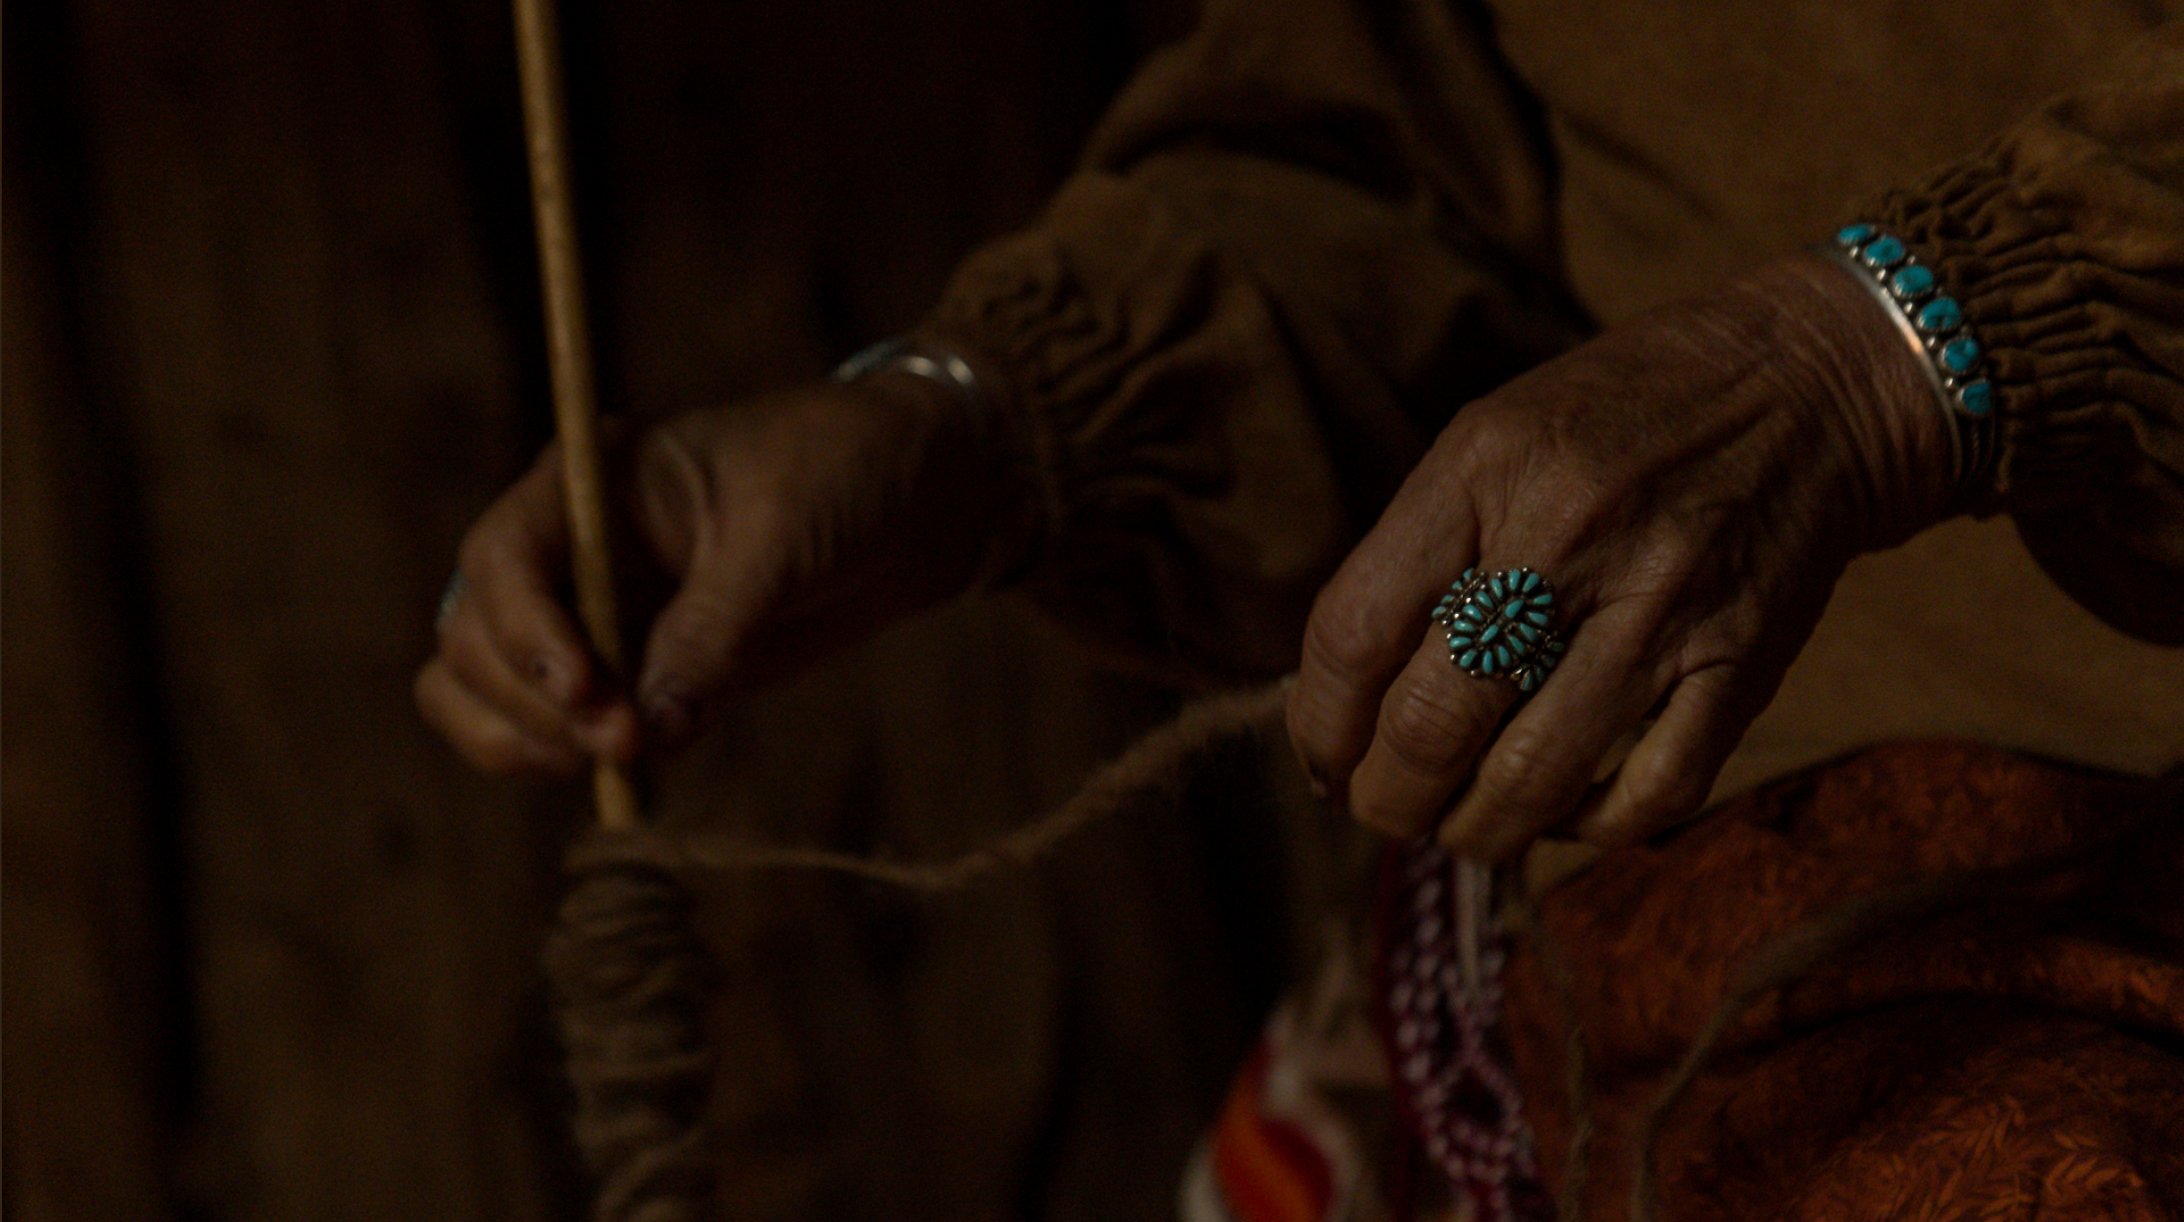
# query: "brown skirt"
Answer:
x=1996 y=1029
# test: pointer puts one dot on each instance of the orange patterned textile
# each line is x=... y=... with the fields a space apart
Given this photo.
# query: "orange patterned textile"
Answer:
x=2017 y=1053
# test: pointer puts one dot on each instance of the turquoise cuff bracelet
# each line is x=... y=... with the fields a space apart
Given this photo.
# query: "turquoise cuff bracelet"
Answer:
x=1933 y=323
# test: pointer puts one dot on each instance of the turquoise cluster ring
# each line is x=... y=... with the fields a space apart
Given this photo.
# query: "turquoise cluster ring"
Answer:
x=1932 y=322
x=1500 y=625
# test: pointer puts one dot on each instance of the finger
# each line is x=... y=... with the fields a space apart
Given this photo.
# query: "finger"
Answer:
x=1668 y=775
x=698 y=639
x=607 y=730
x=541 y=669
x=1430 y=729
x=1539 y=767
x=1363 y=631
x=481 y=733
x=512 y=560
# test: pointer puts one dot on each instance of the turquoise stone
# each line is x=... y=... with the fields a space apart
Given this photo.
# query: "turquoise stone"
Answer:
x=1468 y=575
x=1883 y=252
x=1940 y=314
x=1525 y=632
x=1502 y=656
x=1531 y=581
x=1467 y=658
x=1537 y=617
x=1473 y=613
x=1854 y=235
x=1960 y=355
x=1492 y=633
x=1912 y=281
x=1529 y=681
x=1497 y=589
x=1977 y=397
x=1486 y=662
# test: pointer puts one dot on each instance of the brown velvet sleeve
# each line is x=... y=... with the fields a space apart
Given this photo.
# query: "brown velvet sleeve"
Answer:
x=1297 y=243
x=2064 y=239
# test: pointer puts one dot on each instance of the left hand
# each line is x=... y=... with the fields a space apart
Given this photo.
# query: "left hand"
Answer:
x=1692 y=484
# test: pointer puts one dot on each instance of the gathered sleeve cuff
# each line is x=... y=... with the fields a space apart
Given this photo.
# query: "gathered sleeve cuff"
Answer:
x=2064 y=241
x=1300 y=241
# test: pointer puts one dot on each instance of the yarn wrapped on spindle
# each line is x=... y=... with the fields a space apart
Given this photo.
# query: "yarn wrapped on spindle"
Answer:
x=632 y=979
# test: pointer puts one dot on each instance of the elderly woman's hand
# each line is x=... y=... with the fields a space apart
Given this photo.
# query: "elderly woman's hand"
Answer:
x=1691 y=484
x=786 y=528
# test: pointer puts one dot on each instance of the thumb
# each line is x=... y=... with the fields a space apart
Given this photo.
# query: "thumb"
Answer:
x=697 y=642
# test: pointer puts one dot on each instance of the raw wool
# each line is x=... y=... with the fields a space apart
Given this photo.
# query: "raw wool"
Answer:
x=1158 y=765
x=633 y=978
x=632 y=981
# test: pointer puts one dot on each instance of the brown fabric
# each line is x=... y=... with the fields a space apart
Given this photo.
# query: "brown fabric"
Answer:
x=1320 y=222
x=1930 y=639
x=2012 y=1057
x=1296 y=241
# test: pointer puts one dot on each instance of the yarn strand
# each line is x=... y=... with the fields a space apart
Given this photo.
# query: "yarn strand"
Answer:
x=1156 y=764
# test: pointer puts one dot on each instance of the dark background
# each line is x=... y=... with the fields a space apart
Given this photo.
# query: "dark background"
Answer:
x=270 y=342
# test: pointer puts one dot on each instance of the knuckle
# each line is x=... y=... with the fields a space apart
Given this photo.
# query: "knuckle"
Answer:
x=1587 y=492
x=1585 y=507
x=1483 y=440
x=1663 y=794
x=1344 y=640
x=1668 y=567
x=1738 y=631
x=1522 y=776
x=1428 y=728
x=482 y=546
x=700 y=621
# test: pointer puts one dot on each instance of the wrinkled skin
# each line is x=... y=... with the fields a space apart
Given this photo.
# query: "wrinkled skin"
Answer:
x=1692 y=482
x=782 y=529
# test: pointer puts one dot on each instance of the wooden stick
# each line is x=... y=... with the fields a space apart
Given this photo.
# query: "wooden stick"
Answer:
x=568 y=350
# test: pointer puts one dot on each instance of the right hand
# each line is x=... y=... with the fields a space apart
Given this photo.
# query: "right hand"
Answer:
x=786 y=528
